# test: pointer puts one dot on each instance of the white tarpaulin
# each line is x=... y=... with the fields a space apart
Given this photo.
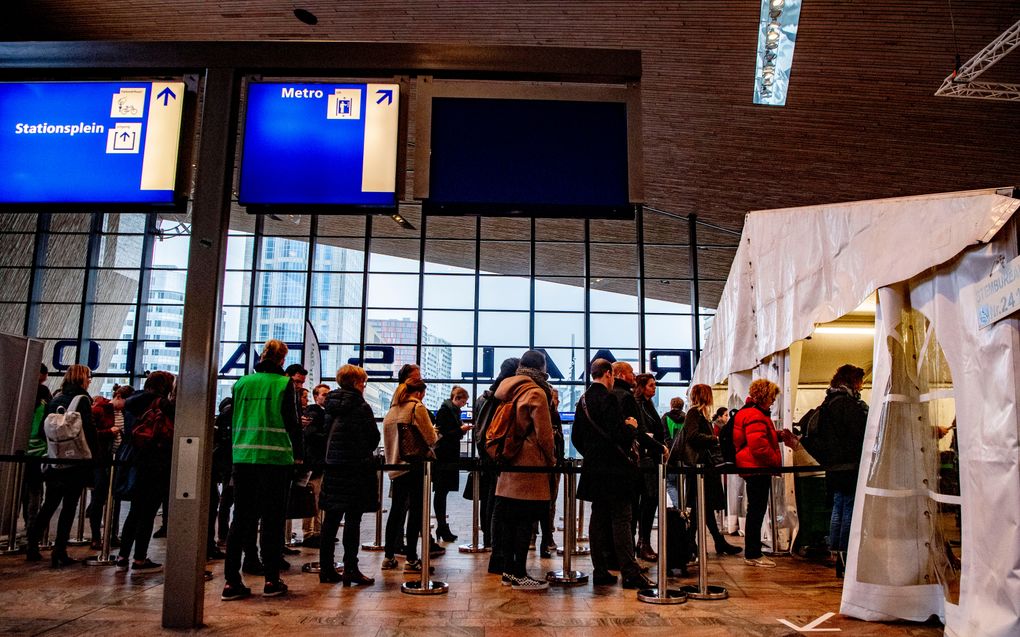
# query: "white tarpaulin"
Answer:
x=799 y=267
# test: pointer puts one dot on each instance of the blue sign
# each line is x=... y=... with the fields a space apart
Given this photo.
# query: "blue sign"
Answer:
x=320 y=144
x=89 y=142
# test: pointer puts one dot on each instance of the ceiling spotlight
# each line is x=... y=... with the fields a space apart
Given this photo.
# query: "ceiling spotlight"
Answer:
x=777 y=5
x=401 y=221
x=306 y=16
x=775 y=50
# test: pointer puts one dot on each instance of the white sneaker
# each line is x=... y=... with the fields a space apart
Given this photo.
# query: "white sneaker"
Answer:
x=528 y=583
x=762 y=562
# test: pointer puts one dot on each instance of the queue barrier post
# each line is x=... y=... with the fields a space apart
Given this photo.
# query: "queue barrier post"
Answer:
x=12 y=528
x=475 y=546
x=377 y=545
x=79 y=538
x=104 y=559
x=567 y=575
x=575 y=521
x=703 y=591
x=661 y=594
x=581 y=537
x=425 y=584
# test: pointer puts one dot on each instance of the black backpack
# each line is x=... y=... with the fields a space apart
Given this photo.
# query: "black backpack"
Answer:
x=817 y=438
x=729 y=453
x=482 y=420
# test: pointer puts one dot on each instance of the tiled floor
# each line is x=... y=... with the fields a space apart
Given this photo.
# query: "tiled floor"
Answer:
x=81 y=600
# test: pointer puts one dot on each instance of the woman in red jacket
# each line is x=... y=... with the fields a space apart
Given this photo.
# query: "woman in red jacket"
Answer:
x=757 y=445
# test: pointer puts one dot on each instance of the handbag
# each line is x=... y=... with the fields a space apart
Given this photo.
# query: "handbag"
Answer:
x=411 y=444
x=301 y=503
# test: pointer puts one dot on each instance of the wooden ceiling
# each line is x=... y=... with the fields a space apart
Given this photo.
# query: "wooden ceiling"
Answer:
x=860 y=121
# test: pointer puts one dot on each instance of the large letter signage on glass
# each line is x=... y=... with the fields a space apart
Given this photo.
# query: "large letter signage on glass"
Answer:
x=89 y=142
x=320 y=144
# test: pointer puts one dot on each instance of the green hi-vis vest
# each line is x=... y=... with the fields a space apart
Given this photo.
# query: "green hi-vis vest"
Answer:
x=673 y=426
x=37 y=439
x=259 y=433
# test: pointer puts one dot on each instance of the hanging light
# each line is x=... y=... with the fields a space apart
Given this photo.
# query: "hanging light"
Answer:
x=776 y=37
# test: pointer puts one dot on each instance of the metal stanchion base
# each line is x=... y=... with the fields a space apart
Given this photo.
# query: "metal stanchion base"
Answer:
x=373 y=547
x=566 y=577
x=711 y=592
x=315 y=567
x=471 y=548
x=429 y=588
x=20 y=548
x=48 y=546
x=294 y=543
x=79 y=542
x=671 y=596
x=578 y=550
x=95 y=561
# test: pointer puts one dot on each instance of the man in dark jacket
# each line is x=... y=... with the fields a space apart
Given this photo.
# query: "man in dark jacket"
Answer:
x=316 y=434
x=609 y=476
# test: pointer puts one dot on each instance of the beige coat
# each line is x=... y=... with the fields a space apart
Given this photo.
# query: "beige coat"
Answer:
x=538 y=449
x=403 y=413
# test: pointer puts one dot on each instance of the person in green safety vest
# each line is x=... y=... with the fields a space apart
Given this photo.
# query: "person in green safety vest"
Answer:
x=32 y=489
x=672 y=423
x=265 y=434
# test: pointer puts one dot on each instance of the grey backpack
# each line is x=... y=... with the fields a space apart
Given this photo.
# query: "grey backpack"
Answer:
x=65 y=438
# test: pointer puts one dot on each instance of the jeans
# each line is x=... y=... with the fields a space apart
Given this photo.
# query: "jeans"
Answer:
x=260 y=491
x=673 y=489
x=758 y=488
x=839 y=526
x=351 y=539
x=406 y=495
x=609 y=529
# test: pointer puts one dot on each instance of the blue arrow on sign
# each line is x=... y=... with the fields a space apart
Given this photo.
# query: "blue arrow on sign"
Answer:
x=167 y=95
x=386 y=93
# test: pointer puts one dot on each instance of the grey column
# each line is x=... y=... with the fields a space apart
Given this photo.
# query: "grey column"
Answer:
x=196 y=386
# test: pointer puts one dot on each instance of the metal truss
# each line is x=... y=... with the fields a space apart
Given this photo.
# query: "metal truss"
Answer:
x=961 y=82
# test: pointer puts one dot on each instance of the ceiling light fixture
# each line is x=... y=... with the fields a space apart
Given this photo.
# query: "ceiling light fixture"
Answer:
x=401 y=221
x=306 y=16
x=777 y=33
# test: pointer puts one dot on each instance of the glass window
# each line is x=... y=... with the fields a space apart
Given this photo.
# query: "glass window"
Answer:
x=114 y=321
x=392 y=327
x=284 y=323
x=612 y=230
x=340 y=325
x=505 y=257
x=609 y=260
x=237 y=288
x=614 y=331
x=120 y=251
x=339 y=255
x=504 y=293
x=117 y=286
x=448 y=327
x=281 y=288
x=12 y=318
x=393 y=290
x=337 y=290
x=286 y=224
x=158 y=355
x=70 y=222
x=559 y=294
x=332 y=357
x=124 y=223
x=559 y=259
x=504 y=328
x=559 y=229
x=15 y=287
x=63 y=286
x=668 y=332
x=451 y=228
x=385 y=226
x=67 y=250
x=449 y=291
x=18 y=249
x=18 y=221
x=450 y=256
x=234 y=326
x=667 y=262
x=280 y=253
x=395 y=255
x=668 y=296
x=342 y=226
x=556 y=329
x=171 y=252
x=506 y=228
x=663 y=228
x=614 y=295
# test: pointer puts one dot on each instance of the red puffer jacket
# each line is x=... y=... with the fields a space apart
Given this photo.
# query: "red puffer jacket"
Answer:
x=755 y=439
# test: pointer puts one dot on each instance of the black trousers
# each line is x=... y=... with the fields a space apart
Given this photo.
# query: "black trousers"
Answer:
x=63 y=489
x=150 y=491
x=98 y=504
x=260 y=492
x=405 y=514
x=519 y=516
x=351 y=539
x=758 y=488
x=609 y=531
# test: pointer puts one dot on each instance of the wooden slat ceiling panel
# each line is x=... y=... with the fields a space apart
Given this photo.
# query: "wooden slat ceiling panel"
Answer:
x=860 y=121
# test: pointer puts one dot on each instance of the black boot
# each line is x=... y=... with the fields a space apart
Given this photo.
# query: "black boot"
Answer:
x=840 y=564
x=444 y=533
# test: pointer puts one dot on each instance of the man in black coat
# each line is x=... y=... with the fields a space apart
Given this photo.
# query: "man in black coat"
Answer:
x=609 y=476
x=315 y=437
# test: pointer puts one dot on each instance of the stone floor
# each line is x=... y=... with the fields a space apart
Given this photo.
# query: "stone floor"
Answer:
x=82 y=600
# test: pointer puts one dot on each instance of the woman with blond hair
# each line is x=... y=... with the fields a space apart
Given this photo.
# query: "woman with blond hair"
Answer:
x=64 y=483
x=697 y=445
x=756 y=442
x=405 y=484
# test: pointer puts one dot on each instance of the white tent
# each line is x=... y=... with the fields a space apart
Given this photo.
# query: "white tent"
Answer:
x=799 y=267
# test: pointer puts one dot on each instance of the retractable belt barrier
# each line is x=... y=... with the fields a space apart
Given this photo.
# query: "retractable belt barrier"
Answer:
x=569 y=468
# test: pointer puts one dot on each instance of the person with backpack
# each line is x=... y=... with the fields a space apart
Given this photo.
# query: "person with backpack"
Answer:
x=696 y=445
x=527 y=441
x=756 y=442
x=844 y=418
x=149 y=436
x=609 y=476
x=490 y=515
x=70 y=435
